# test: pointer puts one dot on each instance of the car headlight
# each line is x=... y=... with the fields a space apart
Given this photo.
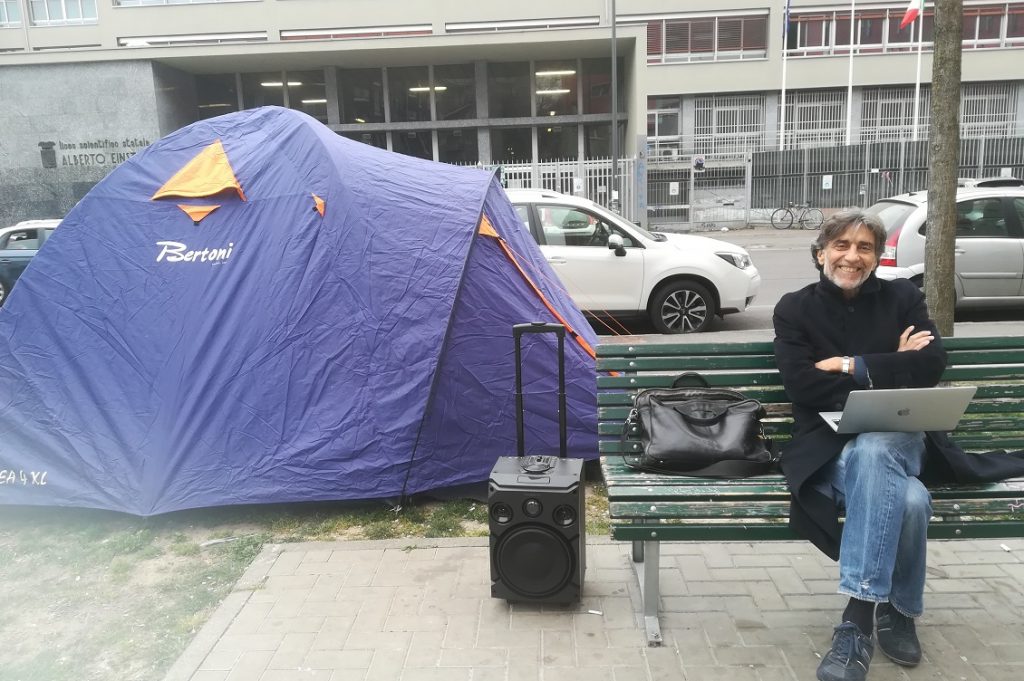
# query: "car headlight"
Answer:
x=740 y=260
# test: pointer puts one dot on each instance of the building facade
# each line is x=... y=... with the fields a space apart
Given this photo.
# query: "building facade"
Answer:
x=86 y=83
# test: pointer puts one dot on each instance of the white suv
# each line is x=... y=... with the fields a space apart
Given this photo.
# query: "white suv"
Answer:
x=989 y=252
x=612 y=267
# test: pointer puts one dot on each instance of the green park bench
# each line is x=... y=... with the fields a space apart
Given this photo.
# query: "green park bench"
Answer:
x=646 y=508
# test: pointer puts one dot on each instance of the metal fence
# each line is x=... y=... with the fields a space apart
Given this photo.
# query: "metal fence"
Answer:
x=590 y=178
x=859 y=175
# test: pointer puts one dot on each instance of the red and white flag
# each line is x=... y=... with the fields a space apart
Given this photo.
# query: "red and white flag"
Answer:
x=914 y=10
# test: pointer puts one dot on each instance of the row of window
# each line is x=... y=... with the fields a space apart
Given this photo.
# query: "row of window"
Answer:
x=61 y=12
x=823 y=32
x=735 y=123
x=423 y=93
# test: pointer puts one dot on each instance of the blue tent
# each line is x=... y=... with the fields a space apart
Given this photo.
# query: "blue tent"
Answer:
x=256 y=310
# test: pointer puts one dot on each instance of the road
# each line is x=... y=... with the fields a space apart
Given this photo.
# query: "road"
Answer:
x=784 y=260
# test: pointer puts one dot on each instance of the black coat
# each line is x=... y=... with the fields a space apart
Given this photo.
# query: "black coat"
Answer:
x=815 y=323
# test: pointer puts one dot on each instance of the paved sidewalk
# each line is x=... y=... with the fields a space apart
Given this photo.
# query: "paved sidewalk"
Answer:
x=420 y=610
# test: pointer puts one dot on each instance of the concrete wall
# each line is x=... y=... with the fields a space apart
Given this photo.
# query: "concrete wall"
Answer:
x=53 y=146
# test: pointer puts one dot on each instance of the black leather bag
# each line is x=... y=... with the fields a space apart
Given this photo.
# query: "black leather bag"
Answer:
x=698 y=431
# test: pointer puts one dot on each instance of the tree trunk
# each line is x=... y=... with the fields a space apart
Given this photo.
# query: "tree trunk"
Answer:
x=944 y=152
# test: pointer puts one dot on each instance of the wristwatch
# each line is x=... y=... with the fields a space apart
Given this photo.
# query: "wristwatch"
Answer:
x=846 y=365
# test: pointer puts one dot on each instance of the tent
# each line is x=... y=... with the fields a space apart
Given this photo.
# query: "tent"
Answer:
x=255 y=309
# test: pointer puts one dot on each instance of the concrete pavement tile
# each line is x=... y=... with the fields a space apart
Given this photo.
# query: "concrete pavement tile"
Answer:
x=424 y=649
x=305 y=674
x=291 y=625
x=730 y=673
x=717 y=588
x=222 y=661
x=413 y=622
x=939 y=601
x=316 y=607
x=672 y=548
x=822 y=586
x=521 y=640
x=1013 y=653
x=831 y=602
x=775 y=674
x=230 y=643
x=250 y=665
x=618 y=612
x=577 y=674
x=489 y=674
x=371 y=616
x=664 y=664
x=327 y=587
x=763 y=560
x=286 y=608
x=461 y=630
x=766 y=596
x=962 y=586
x=548 y=621
x=692 y=567
x=973 y=571
x=691 y=645
x=361 y=574
x=671 y=583
x=787 y=580
x=630 y=673
x=676 y=604
x=338 y=659
x=391 y=640
x=793 y=638
x=756 y=656
x=385 y=666
x=950 y=616
x=610 y=657
x=809 y=568
x=292 y=651
x=286 y=562
x=436 y=674
x=250 y=618
x=473 y=658
x=1000 y=672
x=588 y=631
x=317 y=556
x=290 y=582
x=208 y=675
x=557 y=649
x=718 y=555
x=738 y=574
x=451 y=606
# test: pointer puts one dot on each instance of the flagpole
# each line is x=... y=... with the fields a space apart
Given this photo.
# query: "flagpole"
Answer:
x=782 y=115
x=917 y=81
x=849 y=85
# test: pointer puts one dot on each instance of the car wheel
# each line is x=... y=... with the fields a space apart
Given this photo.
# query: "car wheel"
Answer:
x=682 y=307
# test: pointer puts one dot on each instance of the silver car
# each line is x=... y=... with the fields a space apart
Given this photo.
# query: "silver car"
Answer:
x=989 y=243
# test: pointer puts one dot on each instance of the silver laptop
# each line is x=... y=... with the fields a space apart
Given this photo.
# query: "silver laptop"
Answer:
x=901 y=410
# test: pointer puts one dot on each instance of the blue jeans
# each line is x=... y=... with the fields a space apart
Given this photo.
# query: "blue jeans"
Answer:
x=885 y=537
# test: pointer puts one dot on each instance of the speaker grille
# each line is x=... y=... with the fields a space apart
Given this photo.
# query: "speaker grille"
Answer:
x=534 y=561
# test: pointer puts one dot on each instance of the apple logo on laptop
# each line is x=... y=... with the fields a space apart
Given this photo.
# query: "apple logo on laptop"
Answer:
x=904 y=412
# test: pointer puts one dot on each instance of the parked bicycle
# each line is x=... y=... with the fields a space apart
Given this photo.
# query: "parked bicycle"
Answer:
x=801 y=213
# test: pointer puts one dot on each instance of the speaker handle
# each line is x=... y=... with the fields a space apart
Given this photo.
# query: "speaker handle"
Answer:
x=540 y=327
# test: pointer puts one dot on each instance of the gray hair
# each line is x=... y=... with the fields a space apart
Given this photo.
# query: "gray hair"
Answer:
x=838 y=223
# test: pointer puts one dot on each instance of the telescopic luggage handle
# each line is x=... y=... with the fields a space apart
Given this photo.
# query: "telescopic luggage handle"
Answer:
x=540 y=327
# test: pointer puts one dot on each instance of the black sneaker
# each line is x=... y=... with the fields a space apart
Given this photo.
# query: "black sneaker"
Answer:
x=849 y=657
x=897 y=636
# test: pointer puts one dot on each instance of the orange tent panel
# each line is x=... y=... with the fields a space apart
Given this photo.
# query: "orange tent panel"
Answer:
x=197 y=213
x=207 y=174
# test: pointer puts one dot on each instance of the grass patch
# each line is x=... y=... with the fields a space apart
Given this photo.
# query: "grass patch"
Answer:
x=94 y=596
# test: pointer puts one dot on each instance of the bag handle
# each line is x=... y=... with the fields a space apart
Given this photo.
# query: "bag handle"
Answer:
x=690 y=379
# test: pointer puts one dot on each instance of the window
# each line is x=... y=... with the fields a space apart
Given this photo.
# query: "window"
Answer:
x=62 y=12
x=511 y=145
x=457 y=146
x=10 y=12
x=982 y=25
x=307 y=92
x=455 y=92
x=907 y=37
x=815 y=118
x=597 y=85
x=409 y=94
x=728 y=123
x=216 y=95
x=888 y=114
x=1015 y=22
x=987 y=110
x=557 y=142
x=21 y=240
x=508 y=89
x=565 y=226
x=142 y=3
x=556 y=87
x=413 y=143
x=980 y=218
x=263 y=89
x=362 y=96
x=706 y=39
x=1018 y=204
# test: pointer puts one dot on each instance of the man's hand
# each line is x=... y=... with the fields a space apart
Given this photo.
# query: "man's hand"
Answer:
x=914 y=341
x=833 y=365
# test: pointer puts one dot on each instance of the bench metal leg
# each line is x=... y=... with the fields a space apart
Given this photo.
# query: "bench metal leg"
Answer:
x=646 y=562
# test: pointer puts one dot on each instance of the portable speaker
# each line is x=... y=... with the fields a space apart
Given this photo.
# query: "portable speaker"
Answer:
x=537 y=528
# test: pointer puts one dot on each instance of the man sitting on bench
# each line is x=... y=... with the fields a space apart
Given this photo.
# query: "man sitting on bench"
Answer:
x=853 y=331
